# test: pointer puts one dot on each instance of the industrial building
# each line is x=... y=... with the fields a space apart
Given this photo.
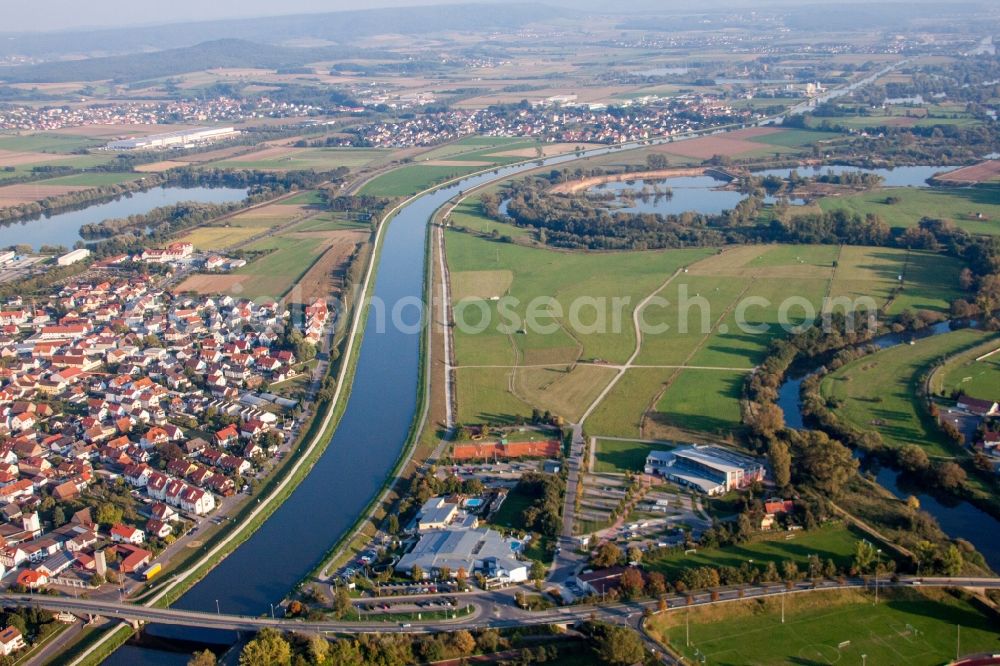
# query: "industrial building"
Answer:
x=713 y=470
x=73 y=257
x=180 y=139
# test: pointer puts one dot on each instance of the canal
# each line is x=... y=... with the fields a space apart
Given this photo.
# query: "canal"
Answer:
x=365 y=446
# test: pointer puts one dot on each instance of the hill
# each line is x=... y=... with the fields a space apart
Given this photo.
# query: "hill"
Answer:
x=336 y=27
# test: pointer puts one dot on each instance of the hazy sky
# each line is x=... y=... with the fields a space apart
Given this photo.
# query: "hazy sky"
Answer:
x=68 y=14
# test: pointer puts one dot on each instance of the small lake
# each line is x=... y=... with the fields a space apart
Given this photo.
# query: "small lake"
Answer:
x=957 y=518
x=703 y=194
x=64 y=228
x=903 y=176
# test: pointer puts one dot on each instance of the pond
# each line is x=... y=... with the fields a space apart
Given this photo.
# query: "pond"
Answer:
x=704 y=194
x=64 y=228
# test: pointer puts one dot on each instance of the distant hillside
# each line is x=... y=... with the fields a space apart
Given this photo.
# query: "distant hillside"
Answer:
x=143 y=66
x=341 y=27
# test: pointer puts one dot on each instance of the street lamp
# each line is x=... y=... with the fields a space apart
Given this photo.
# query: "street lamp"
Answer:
x=217 y=611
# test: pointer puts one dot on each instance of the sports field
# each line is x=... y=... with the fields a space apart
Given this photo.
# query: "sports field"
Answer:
x=834 y=541
x=911 y=627
x=978 y=378
x=880 y=392
x=975 y=209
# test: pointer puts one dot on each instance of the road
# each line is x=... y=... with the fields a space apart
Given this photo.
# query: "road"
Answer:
x=490 y=609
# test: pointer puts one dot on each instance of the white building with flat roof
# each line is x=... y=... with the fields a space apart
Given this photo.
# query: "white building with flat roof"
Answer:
x=178 y=139
x=73 y=257
x=709 y=469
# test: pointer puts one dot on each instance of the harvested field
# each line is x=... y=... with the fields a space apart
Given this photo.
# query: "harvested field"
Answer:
x=12 y=195
x=212 y=284
x=278 y=210
x=730 y=145
x=575 y=186
x=973 y=175
x=326 y=277
x=219 y=238
x=212 y=155
x=159 y=167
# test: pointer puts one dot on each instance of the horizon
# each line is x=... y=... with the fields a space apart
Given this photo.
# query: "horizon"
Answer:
x=63 y=15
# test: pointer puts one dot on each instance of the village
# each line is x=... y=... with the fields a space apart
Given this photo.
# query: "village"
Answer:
x=131 y=417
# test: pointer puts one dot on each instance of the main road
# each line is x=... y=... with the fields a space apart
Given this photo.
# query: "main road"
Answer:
x=494 y=609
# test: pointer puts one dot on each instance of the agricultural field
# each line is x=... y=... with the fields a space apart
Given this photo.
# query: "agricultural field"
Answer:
x=879 y=392
x=913 y=627
x=304 y=159
x=978 y=378
x=414 y=178
x=455 y=160
x=718 y=317
x=974 y=209
x=833 y=541
x=240 y=228
x=751 y=142
x=94 y=179
x=930 y=281
x=47 y=143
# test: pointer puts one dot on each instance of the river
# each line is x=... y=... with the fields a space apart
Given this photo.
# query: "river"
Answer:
x=956 y=517
x=64 y=228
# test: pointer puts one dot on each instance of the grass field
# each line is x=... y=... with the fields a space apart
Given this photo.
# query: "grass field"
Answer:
x=706 y=401
x=619 y=456
x=912 y=627
x=959 y=205
x=468 y=214
x=832 y=541
x=565 y=277
x=413 y=178
x=308 y=198
x=980 y=379
x=218 y=238
x=48 y=143
x=796 y=138
x=621 y=412
x=879 y=392
x=72 y=161
x=930 y=281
